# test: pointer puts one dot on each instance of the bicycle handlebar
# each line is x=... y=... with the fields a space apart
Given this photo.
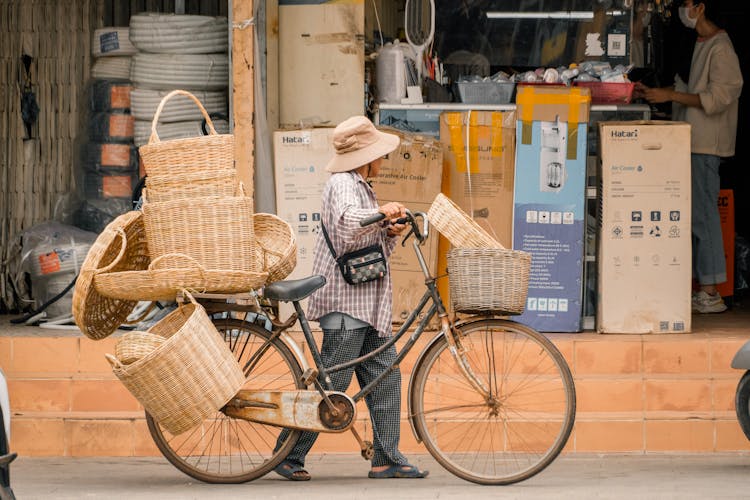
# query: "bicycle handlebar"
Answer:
x=372 y=219
x=410 y=219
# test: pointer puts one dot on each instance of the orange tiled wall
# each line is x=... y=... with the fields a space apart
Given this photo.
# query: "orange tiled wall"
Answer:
x=639 y=393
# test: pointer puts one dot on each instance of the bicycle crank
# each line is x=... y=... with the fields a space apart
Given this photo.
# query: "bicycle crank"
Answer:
x=302 y=410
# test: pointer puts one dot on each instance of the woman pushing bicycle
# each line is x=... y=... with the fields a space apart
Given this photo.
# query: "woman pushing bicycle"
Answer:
x=354 y=308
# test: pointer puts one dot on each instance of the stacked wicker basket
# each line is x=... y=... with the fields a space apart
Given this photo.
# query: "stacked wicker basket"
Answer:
x=197 y=233
x=484 y=277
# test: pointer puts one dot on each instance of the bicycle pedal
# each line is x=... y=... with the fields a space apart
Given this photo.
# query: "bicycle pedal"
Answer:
x=309 y=376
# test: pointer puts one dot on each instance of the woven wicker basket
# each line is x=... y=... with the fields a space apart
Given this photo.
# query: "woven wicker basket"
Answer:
x=195 y=154
x=488 y=280
x=156 y=283
x=133 y=346
x=215 y=231
x=276 y=246
x=192 y=185
x=121 y=247
x=188 y=377
x=456 y=225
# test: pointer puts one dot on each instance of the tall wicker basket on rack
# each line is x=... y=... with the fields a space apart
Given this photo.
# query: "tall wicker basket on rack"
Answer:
x=456 y=225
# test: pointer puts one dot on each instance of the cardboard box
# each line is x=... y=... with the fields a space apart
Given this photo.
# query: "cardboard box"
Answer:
x=479 y=155
x=321 y=67
x=726 y=212
x=644 y=256
x=411 y=175
x=549 y=205
x=300 y=160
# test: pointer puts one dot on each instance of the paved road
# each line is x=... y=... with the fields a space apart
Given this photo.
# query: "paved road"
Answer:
x=339 y=476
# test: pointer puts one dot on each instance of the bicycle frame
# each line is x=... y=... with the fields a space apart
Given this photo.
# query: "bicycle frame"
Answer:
x=436 y=307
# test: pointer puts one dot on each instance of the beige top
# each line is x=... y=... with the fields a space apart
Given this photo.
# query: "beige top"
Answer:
x=716 y=77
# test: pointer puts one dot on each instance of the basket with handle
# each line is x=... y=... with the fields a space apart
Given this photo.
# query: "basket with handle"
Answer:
x=121 y=247
x=486 y=280
x=276 y=246
x=191 y=185
x=183 y=272
x=135 y=345
x=456 y=225
x=187 y=378
x=215 y=231
x=206 y=153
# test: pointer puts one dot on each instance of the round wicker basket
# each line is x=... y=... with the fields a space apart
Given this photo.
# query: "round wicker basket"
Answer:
x=121 y=247
x=276 y=246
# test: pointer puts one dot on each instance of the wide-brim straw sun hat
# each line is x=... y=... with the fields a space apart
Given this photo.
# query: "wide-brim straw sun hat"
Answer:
x=357 y=142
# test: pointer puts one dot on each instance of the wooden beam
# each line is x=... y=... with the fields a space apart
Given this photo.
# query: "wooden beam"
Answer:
x=242 y=90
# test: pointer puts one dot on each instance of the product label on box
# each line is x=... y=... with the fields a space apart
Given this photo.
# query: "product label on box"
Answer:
x=551 y=234
x=109 y=41
x=49 y=263
x=119 y=97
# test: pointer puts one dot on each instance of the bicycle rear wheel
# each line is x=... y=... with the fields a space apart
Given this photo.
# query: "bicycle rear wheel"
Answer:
x=224 y=449
x=522 y=422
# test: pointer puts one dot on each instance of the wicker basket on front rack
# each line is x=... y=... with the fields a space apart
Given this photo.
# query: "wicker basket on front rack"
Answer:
x=484 y=277
x=484 y=280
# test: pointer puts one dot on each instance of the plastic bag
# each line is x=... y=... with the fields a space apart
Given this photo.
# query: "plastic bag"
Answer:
x=52 y=254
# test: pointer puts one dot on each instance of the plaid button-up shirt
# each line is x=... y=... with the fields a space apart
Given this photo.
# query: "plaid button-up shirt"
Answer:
x=347 y=199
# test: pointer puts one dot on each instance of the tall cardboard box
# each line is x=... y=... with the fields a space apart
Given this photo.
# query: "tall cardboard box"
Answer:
x=300 y=160
x=644 y=257
x=411 y=175
x=549 y=205
x=322 y=61
x=478 y=160
x=479 y=150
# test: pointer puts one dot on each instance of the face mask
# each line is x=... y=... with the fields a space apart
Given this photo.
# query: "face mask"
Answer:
x=690 y=22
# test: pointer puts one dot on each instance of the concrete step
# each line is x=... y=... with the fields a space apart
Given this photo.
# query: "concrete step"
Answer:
x=635 y=393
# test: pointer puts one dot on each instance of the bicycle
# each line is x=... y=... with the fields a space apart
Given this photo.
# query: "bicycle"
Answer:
x=492 y=400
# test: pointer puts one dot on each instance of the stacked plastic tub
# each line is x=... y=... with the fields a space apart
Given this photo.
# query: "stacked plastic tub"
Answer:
x=108 y=158
x=183 y=52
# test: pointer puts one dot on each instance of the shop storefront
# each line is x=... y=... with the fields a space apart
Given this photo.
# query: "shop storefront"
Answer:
x=291 y=71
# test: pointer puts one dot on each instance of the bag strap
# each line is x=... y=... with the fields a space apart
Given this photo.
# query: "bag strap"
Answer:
x=328 y=242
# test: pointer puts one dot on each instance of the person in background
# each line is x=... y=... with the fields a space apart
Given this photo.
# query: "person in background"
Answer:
x=709 y=102
x=357 y=319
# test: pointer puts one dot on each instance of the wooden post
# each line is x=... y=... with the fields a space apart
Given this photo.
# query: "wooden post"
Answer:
x=242 y=90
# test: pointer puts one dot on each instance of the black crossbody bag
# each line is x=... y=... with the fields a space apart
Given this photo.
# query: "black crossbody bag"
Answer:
x=359 y=266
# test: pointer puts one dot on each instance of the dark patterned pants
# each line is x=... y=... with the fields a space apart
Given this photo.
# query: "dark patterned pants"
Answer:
x=384 y=402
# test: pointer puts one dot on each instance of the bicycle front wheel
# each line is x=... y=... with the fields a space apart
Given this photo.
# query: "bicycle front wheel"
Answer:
x=228 y=450
x=512 y=421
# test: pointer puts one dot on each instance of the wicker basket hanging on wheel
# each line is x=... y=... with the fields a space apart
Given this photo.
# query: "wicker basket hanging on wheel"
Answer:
x=203 y=154
x=488 y=280
x=189 y=376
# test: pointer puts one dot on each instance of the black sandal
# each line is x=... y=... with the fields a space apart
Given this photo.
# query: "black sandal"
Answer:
x=292 y=471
